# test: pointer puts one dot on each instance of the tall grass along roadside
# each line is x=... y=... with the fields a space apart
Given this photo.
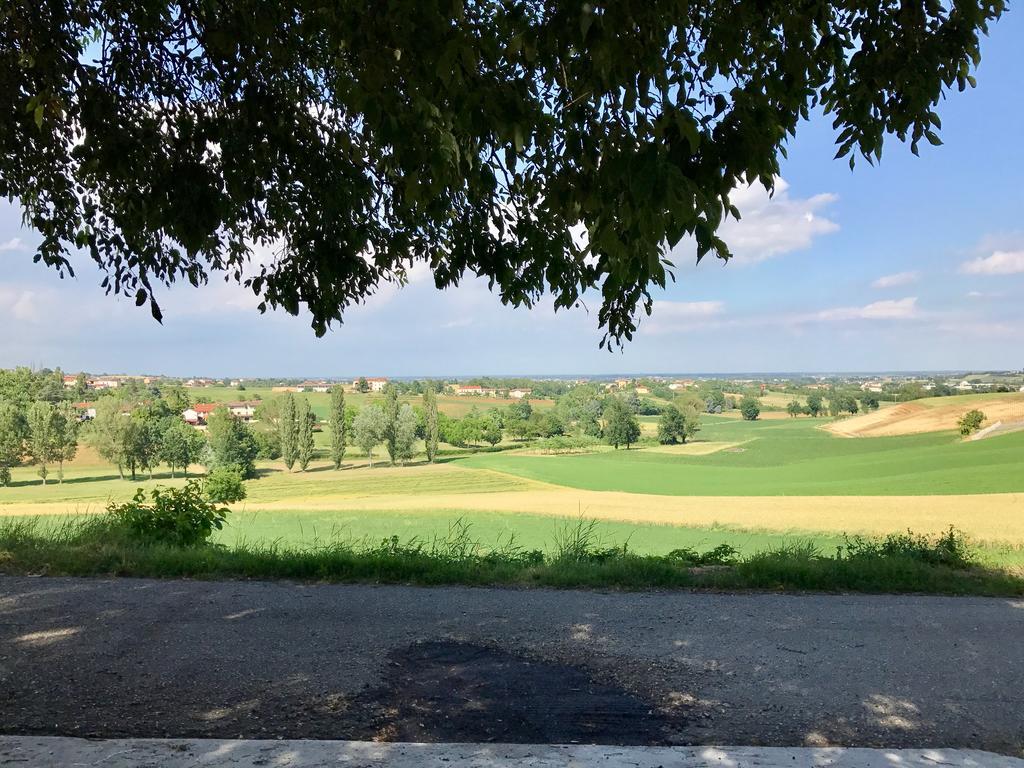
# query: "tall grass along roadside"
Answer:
x=580 y=557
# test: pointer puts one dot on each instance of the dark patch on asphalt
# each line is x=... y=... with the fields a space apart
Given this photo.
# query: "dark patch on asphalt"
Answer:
x=461 y=692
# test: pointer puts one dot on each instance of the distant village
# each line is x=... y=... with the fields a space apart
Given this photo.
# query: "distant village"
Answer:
x=895 y=387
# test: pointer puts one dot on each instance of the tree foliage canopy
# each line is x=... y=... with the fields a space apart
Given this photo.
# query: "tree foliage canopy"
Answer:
x=547 y=146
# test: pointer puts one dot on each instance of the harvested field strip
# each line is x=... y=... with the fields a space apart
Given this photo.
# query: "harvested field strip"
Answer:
x=997 y=518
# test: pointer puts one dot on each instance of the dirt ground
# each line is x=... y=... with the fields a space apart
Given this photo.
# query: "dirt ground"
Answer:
x=142 y=658
x=915 y=417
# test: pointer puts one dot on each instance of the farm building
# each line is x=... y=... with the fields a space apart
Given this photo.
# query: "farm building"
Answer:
x=475 y=389
x=200 y=412
x=519 y=394
x=87 y=411
x=244 y=410
x=313 y=386
x=377 y=383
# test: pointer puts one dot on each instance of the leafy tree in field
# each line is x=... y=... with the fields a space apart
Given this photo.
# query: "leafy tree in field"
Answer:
x=750 y=408
x=620 y=425
x=581 y=406
x=42 y=435
x=362 y=385
x=337 y=425
x=306 y=421
x=430 y=425
x=391 y=409
x=405 y=433
x=632 y=400
x=288 y=424
x=224 y=485
x=268 y=443
x=177 y=399
x=468 y=136
x=109 y=432
x=869 y=401
x=66 y=426
x=268 y=414
x=714 y=401
x=971 y=422
x=842 y=402
x=675 y=426
x=815 y=404
x=368 y=429
x=230 y=442
x=13 y=432
x=181 y=446
x=81 y=386
x=149 y=422
x=794 y=408
x=490 y=429
x=142 y=443
x=521 y=410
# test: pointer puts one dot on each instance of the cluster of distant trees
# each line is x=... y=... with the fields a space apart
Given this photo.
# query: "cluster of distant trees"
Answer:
x=837 y=404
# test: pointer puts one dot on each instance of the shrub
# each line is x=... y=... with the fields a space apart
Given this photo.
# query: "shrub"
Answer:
x=268 y=444
x=177 y=516
x=971 y=422
x=723 y=554
x=750 y=408
x=950 y=548
x=224 y=485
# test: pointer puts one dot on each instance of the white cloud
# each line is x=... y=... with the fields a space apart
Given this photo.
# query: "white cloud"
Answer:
x=669 y=316
x=21 y=304
x=999 y=263
x=677 y=309
x=772 y=226
x=14 y=244
x=897 y=280
x=892 y=309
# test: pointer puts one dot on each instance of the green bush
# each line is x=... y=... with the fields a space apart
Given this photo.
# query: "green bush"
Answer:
x=971 y=422
x=224 y=485
x=950 y=548
x=177 y=516
x=723 y=554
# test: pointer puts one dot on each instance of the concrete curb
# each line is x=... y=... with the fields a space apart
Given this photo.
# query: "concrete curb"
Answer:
x=45 y=751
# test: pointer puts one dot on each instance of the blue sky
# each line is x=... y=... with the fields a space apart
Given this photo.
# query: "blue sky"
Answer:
x=915 y=264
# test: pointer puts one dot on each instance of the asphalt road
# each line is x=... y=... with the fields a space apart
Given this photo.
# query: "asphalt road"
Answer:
x=140 y=658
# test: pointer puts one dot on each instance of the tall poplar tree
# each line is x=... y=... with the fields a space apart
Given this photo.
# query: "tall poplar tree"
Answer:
x=305 y=421
x=336 y=420
x=289 y=428
x=430 y=436
x=391 y=411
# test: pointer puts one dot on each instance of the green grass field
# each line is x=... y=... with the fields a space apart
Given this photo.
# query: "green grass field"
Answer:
x=788 y=457
x=769 y=458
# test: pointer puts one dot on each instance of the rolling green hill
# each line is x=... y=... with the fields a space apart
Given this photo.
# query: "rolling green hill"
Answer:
x=788 y=457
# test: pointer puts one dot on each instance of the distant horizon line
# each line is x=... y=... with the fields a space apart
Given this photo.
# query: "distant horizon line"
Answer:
x=579 y=375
